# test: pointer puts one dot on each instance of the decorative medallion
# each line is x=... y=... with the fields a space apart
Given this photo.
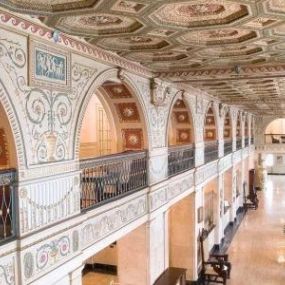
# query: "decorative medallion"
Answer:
x=28 y=265
x=183 y=136
x=116 y=90
x=75 y=241
x=132 y=138
x=127 y=112
x=182 y=117
x=198 y=13
x=98 y=23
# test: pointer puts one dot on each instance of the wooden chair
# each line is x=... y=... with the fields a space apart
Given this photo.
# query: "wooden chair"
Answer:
x=217 y=269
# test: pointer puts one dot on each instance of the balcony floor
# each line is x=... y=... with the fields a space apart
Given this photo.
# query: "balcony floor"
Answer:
x=257 y=251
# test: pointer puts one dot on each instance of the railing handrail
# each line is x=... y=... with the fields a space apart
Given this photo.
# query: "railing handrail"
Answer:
x=180 y=147
x=88 y=162
x=210 y=143
x=7 y=176
x=274 y=134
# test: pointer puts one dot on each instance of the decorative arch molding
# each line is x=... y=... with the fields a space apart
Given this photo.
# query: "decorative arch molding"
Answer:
x=8 y=106
x=97 y=81
x=189 y=126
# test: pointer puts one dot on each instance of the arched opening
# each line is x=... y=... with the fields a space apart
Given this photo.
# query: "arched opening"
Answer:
x=112 y=143
x=180 y=138
x=8 y=166
x=210 y=136
x=238 y=133
x=246 y=132
x=275 y=132
x=252 y=131
x=228 y=144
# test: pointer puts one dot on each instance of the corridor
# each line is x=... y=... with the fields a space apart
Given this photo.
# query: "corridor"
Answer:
x=257 y=251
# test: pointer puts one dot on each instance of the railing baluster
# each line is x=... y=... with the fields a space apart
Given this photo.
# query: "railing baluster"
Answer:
x=211 y=151
x=7 y=204
x=180 y=159
x=107 y=178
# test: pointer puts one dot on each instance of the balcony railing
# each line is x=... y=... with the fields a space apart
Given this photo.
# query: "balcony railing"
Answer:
x=180 y=159
x=211 y=151
x=275 y=138
x=228 y=147
x=7 y=204
x=238 y=144
x=246 y=142
x=107 y=178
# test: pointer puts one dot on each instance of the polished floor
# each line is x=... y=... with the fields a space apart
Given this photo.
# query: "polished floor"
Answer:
x=92 y=278
x=257 y=251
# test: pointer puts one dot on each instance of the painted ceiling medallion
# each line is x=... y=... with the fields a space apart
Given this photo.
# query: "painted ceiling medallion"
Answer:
x=276 y=6
x=99 y=20
x=200 y=10
x=128 y=112
x=218 y=36
x=128 y=6
x=132 y=43
x=46 y=7
x=198 y=13
x=98 y=23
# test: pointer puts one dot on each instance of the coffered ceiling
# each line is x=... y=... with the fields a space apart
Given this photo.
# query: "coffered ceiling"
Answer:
x=233 y=49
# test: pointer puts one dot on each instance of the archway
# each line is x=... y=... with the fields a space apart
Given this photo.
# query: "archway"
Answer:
x=112 y=142
x=238 y=132
x=275 y=132
x=210 y=135
x=246 y=132
x=228 y=144
x=252 y=130
x=180 y=138
x=8 y=168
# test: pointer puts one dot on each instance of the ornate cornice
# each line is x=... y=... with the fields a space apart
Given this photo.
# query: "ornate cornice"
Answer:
x=246 y=72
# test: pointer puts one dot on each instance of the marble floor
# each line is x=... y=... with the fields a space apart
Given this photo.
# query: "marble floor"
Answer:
x=257 y=251
x=93 y=278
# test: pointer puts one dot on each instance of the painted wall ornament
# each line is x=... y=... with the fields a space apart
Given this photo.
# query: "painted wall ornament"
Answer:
x=159 y=92
x=28 y=265
x=7 y=273
x=49 y=67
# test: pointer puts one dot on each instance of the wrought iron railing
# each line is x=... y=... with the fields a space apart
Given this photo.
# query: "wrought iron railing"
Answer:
x=238 y=144
x=275 y=138
x=228 y=147
x=180 y=159
x=107 y=178
x=7 y=204
x=251 y=140
x=211 y=151
x=246 y=142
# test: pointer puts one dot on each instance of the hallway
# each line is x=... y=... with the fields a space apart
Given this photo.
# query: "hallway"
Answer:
x=257 y=251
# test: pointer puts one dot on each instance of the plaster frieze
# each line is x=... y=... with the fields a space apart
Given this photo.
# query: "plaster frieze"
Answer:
x=106 y=223
x=206 y=173
x=225 y=163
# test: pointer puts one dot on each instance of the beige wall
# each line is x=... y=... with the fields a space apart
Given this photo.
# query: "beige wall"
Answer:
x=181 y=235
x=276 y=127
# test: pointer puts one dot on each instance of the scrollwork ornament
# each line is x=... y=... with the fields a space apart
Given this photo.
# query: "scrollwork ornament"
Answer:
x=13 y=51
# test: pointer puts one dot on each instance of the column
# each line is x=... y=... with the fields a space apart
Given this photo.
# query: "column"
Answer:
x=75 y=276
